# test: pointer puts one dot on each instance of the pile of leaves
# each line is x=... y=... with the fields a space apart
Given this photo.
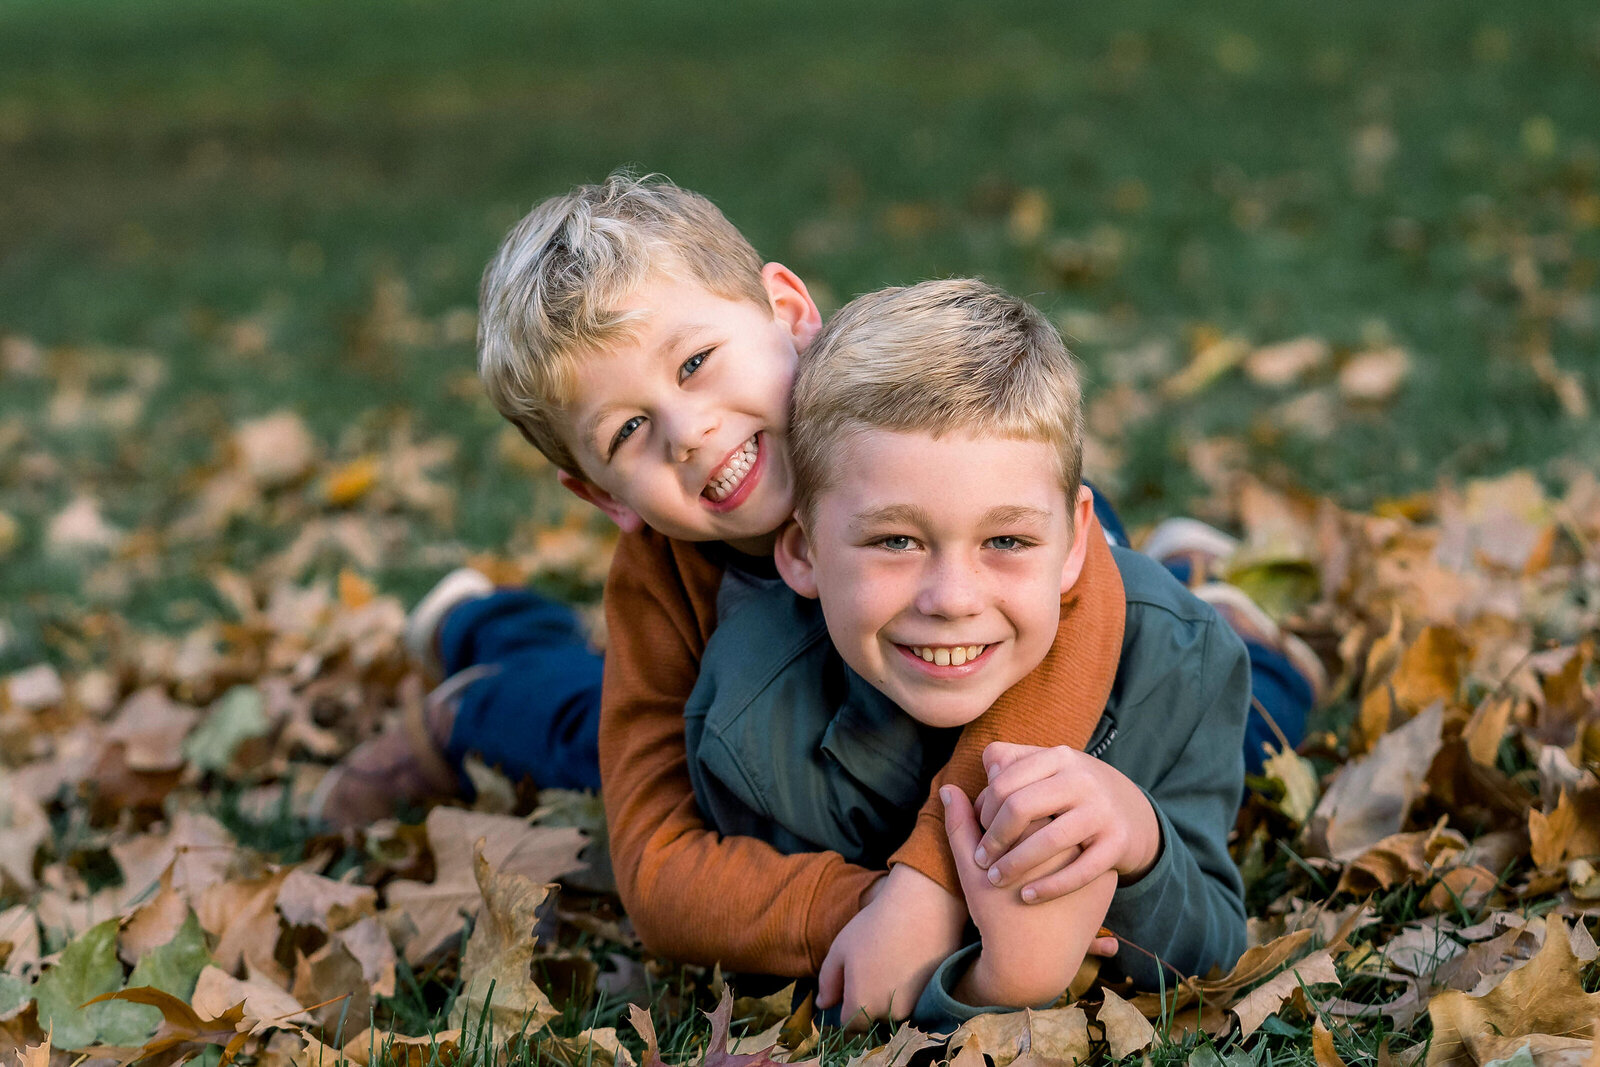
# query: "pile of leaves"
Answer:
x=1423 y=874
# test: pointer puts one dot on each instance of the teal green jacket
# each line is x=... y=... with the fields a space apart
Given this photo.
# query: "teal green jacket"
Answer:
x=787 y=744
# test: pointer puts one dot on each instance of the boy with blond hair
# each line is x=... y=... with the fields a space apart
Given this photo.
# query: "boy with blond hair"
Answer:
x=632 y=335
x=936 y=444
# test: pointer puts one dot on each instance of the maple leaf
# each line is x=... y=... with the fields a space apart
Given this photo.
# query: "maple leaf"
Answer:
x=183 y=1032
x=1053 y=1035
x=1544 y=996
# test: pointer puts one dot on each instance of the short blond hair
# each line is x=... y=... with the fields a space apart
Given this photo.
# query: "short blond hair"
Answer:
x=550 y=295
x=935 y=358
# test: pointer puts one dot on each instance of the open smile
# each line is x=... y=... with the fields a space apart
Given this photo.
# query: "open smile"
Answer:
x=947 y=661
x=736 y=476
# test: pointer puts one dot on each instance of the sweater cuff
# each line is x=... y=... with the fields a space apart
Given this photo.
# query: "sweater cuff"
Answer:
x=927 y=851
x=939 y=1010
x=834 y=902
x=1136 y=896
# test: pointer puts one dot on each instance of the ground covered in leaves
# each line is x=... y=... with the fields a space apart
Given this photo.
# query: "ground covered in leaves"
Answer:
x=1350 y=248
x=1426 y=864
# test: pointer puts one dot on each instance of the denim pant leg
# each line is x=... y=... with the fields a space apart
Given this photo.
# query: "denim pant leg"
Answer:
x=1276 y=688
x=538 y=715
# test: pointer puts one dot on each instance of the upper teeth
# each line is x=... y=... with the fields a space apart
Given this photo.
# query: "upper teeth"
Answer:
x=947 y=655
x=726 y=479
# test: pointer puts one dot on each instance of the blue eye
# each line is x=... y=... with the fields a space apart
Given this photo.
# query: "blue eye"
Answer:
x=692 y=364
x=1007 y=543
x=896 y=543
x=625 y=431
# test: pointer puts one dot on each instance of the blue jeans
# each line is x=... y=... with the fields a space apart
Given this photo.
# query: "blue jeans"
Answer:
x=538 y=715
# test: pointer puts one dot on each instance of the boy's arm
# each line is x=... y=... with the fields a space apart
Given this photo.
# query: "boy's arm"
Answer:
x=692 y=895
x=1188 y=909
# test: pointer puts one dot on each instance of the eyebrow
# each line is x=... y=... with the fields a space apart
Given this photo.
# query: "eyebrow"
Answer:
x=912 y=515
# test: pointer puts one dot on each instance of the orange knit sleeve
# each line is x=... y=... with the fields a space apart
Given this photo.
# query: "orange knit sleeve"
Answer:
x=1058 y=703
x=692 y=894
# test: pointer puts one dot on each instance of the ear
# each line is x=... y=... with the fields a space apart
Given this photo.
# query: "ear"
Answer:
x=619 y=513
x=792 y=554
x=1083 y=528
x=792 y=305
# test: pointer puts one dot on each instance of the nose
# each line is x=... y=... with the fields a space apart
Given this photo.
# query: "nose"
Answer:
x=951 y=588
x=687 y=430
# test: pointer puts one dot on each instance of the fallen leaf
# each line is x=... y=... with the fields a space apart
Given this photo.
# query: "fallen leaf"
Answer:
x=907 y=1042
x=308 y=899
x=495 y=969
x=1322 y=1046
x=275 y=450
x=1286 y=362
x=396 y=1050
x=1055 y=1034
x=591 y=1048
x=511 y=846
x=1374 y=376
x=1126 y=1030
x=1544 y=996
x=1266 y=999
x=265 y=1004
x=1371 y=796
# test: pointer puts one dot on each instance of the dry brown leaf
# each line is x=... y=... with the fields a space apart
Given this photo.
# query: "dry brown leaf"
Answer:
x=1371 y=796
x=154 y=923
x=308 y=899
x=1487 y=727
x=243 y=916
x=390 y=1049
x=1126 y=1030
x=23 y=828
x=265 y=1003
x=511 y=846
x=35 y=1055
x=1266 y=999
x=198 y=849
x=1461 y=888
x=1322 y=1046
x=1055 y=1034
x=326 y=979
x=20 y=930
x=496 y=982
x=275 y=450
x=369 y=943
x=598 y=1047
x=1286 y=362
x=152 y=727
x=1545 y=1050
x=1544 y=996
x=1430 y=669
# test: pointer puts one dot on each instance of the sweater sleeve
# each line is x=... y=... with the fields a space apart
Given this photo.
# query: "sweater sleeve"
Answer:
x=1188 y=910
x=1058 y=703
x=692 y=895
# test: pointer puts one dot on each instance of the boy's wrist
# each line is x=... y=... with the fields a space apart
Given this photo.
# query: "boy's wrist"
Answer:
x=1145 y=842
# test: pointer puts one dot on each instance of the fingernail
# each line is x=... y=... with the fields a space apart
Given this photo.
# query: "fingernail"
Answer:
x=989 y=771
x=944 y=795
x=1030 y=895
x=980 y=857
x=994 y=875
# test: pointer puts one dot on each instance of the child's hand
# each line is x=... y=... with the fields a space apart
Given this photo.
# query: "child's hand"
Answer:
x=1031 y=952
x=880 y=961
x=1098 y=821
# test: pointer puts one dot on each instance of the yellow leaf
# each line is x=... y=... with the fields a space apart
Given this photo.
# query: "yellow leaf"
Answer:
x=1322 y=1046
x=1127 y=1031
x=349 y=482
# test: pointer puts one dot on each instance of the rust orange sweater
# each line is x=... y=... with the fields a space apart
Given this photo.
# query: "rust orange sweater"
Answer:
x=699 y=897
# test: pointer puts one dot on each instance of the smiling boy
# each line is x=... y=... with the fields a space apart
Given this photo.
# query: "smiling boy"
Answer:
x=936 y=448
x=635 y=338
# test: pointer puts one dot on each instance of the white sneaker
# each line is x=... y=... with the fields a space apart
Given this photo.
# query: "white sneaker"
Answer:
x=421 y=635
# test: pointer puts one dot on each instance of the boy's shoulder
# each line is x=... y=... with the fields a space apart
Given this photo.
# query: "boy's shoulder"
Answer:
x=1173 y=642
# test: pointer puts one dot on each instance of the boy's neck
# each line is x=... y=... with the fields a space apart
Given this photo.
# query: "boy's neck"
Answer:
x=755 y=547
x=734 y=554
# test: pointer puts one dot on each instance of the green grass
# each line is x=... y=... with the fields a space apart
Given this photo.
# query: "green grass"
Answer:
x=174 y=168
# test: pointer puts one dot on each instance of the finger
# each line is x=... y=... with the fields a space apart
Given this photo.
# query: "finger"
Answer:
x=1034 y=765
x=961 y=827
x=998 y=755
x=1038 y=800
x=1104 y=946
x=1096 y=860
x=1043 y=851
x=981 y=802
x=830 y=982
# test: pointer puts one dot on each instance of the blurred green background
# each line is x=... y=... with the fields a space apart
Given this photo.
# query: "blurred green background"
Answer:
x=239 y=208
